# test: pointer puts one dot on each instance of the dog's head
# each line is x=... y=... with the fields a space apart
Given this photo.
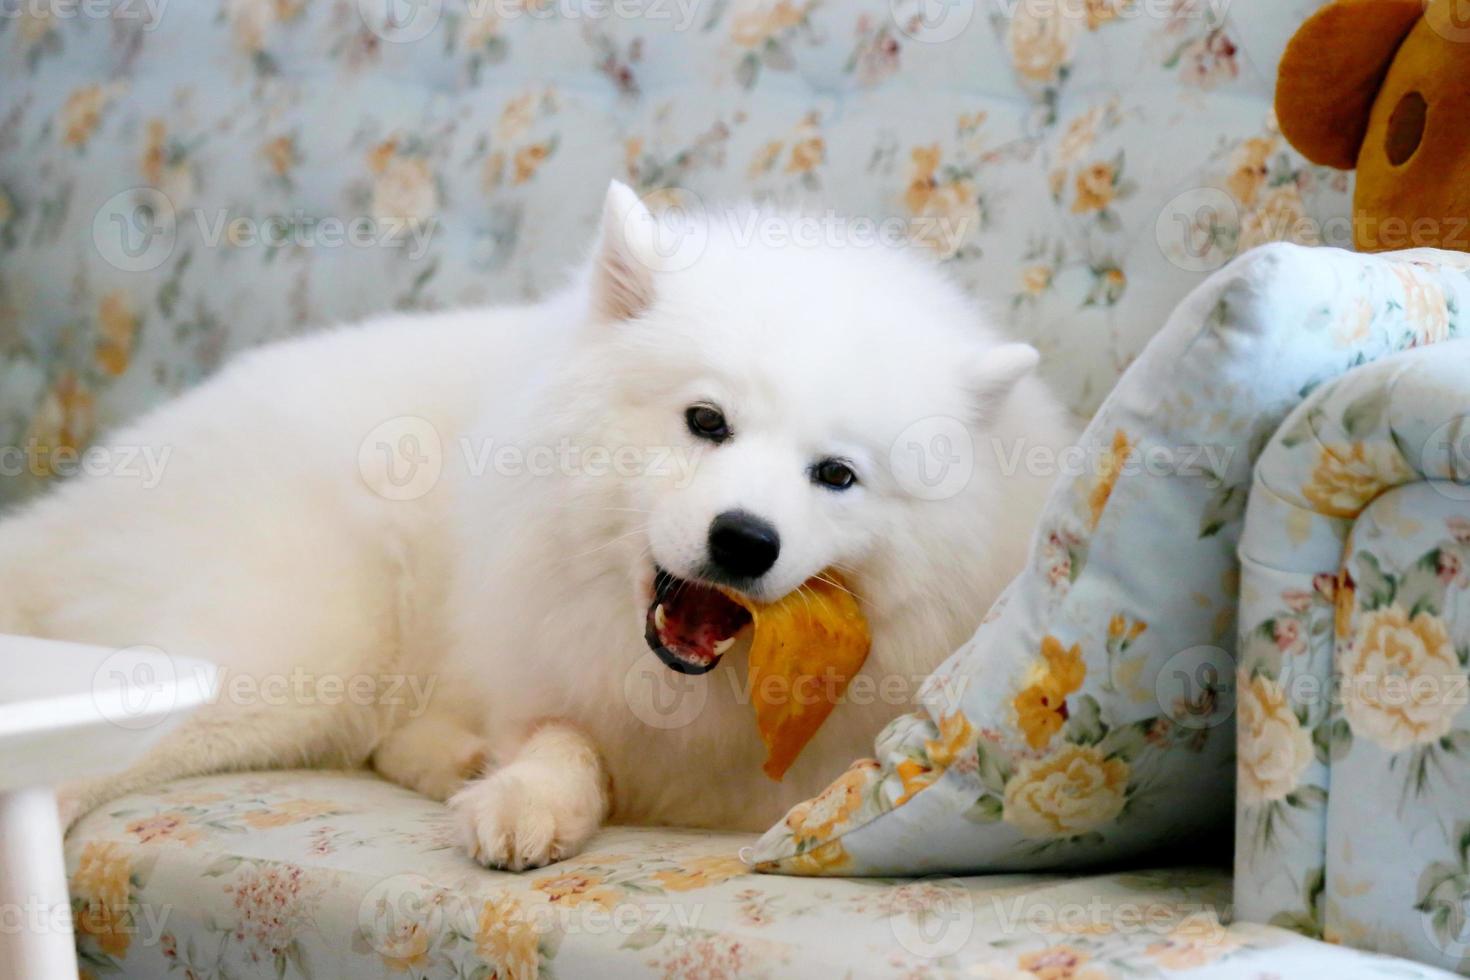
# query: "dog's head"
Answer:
x=806 y=391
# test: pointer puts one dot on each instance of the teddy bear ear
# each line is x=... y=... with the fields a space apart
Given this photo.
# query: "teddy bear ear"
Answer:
x=1331 y=73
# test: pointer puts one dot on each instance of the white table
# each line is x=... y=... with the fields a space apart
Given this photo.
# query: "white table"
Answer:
x=69 y=712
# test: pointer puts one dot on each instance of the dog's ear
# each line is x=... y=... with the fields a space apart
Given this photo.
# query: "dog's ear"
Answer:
x=626 y=260
x=1332 y=71
x=998 y=371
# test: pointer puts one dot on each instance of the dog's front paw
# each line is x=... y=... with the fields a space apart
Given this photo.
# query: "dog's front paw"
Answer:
x=527 y=814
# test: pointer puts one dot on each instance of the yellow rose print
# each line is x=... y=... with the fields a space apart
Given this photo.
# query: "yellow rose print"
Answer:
x=574 y=888
x=1402 y=680
x=1071 y=791
x=818 y=817
x=1347 y=477
x=1274 y=748
x=507 y=939
x=702 y=873
x=1041 y=709
x=1096 y=188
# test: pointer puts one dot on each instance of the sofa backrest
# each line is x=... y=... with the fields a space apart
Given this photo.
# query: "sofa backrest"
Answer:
x=179 y=180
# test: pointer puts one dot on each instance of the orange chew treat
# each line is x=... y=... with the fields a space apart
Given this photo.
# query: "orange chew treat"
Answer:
x=807 y=647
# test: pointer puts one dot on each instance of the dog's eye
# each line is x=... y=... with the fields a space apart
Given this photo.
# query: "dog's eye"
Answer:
x=834 y=474
x=707 y=422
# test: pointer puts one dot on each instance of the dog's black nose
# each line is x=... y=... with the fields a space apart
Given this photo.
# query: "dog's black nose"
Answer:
x=742 y=544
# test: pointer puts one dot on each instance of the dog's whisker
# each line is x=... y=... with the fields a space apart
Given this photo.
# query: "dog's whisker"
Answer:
x=838 y=585
x=606 y=544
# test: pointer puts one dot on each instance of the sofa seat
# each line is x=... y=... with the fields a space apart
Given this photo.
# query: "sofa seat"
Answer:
x=329 y=874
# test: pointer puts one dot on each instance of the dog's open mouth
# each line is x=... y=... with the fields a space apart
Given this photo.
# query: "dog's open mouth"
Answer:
x=690 y=625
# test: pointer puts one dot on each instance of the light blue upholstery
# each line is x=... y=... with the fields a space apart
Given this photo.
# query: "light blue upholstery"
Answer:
x=1354 y=763
x=316 y=876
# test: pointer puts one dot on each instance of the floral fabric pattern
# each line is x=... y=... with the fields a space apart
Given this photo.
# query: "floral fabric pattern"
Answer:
x=1081 y=166
x=1092 y=715
x=344 y=875
x=1354 y=693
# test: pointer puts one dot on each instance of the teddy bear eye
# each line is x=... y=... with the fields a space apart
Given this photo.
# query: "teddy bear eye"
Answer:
x=1406 y=128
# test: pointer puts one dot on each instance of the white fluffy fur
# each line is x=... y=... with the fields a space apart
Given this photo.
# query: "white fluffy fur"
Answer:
x=521 y=597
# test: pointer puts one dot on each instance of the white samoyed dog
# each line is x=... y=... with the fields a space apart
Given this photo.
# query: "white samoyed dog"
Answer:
x=480 y=549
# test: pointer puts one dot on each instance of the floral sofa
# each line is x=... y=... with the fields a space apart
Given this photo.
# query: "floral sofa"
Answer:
x=178 y=182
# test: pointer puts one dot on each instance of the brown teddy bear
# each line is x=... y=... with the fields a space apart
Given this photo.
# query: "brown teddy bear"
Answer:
x=1384 y=86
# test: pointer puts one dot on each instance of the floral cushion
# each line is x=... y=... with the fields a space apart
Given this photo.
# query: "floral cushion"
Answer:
x=1082 y=165
x=1355 y=637
x=325 y=875
x=1090 y=716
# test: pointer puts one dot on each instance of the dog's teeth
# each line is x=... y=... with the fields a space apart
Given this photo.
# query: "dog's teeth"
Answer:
x=724 y=645
x=659 y=620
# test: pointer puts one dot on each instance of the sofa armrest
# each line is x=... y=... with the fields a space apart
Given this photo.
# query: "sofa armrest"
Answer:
x=1353 y=731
